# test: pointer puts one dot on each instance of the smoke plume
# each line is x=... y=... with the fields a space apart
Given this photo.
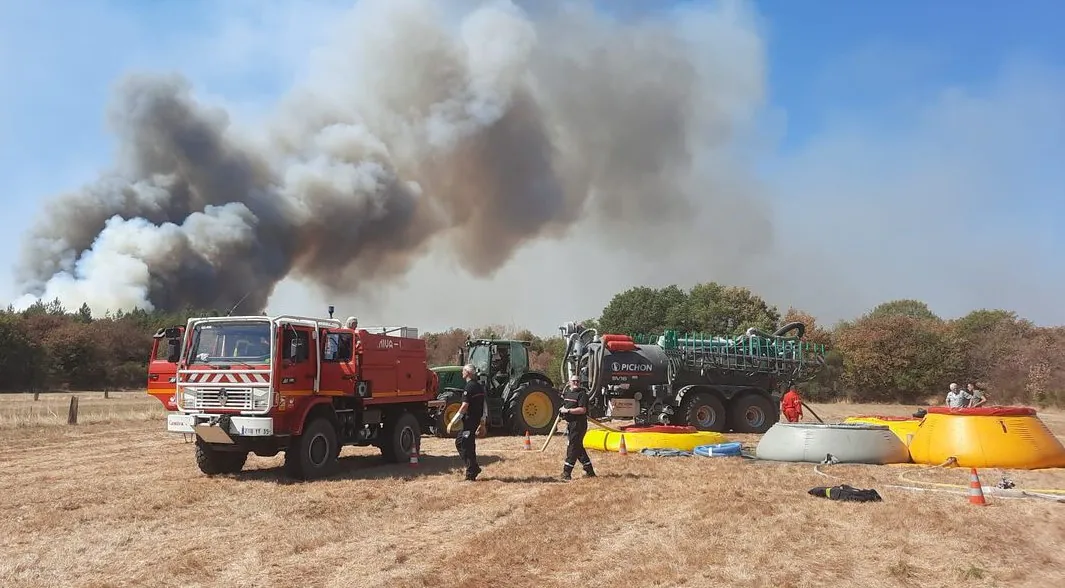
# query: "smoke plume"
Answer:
x=411 y=130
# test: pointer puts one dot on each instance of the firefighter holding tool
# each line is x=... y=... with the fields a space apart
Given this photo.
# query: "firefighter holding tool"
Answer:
x=574 y=410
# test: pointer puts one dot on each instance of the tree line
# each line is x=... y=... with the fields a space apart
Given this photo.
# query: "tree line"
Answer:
x=900 y=351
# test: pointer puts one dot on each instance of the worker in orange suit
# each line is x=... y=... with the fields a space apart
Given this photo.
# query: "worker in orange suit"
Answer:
x=791 y=405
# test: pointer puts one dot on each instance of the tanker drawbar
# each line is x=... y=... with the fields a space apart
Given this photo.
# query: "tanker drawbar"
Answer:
x=712 y=383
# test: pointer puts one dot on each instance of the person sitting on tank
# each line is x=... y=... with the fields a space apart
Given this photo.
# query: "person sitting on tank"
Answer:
x=957 y=398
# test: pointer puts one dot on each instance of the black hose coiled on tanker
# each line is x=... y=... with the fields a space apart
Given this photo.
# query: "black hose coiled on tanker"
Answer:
x=577 y=362
x=792 y=326
x=595 y=363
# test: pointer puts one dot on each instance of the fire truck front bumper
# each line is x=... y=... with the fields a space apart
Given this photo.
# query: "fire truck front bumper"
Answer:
x=216 y=428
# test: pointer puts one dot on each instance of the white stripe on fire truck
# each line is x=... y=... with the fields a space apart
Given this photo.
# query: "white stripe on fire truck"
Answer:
x=216 y=378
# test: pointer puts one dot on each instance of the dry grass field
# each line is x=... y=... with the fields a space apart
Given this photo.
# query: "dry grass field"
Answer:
x=116 y=501
x=21 y=411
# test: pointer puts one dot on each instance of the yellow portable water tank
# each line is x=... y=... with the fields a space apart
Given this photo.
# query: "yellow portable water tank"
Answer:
x=905 y=428
x=656 y=437
x=1010 y=437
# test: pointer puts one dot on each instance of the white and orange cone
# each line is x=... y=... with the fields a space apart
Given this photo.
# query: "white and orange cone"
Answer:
x=528 y=442
x=976 y=491
x=414 y=456
x=622 y=450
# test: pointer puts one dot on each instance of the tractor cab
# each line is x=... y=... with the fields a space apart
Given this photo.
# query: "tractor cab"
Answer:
x=499 y=363
x=519 y=399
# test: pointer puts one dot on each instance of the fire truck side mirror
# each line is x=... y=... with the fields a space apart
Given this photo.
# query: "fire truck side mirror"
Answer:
x=173 y=351
x=172 y=333
x=296 y=350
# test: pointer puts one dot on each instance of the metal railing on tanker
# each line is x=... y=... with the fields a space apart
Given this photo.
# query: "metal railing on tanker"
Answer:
x=785 y=356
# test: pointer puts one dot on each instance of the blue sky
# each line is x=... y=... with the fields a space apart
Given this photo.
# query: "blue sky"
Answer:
x=916 y=146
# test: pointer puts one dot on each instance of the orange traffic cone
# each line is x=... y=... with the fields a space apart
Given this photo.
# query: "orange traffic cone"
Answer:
x=528 y=442
x=621 y=446
x=414 y=456
x=976 y=491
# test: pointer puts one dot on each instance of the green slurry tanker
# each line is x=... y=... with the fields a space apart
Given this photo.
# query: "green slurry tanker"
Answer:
x=712 y=383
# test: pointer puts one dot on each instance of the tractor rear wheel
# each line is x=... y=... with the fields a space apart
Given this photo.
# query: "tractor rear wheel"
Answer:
x=533 y=408
x=704 y=411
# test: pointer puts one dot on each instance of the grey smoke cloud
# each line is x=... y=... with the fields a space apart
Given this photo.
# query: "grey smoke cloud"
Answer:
x=417 y=127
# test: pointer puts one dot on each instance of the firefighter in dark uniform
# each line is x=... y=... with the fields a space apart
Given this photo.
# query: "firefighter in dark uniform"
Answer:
x=472 y=414
x=574 y=410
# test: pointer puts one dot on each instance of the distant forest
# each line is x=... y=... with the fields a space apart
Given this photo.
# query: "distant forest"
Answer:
x=899 y=351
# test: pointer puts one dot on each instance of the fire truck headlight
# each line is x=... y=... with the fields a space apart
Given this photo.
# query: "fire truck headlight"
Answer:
x=260 y=393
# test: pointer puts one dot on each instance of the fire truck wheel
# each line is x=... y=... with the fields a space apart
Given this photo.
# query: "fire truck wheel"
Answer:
x=315 y=451
x=401 y=437
x=703 y=411
x=214 y=462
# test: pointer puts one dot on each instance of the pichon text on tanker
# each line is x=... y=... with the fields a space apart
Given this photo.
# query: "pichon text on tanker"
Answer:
x=632 y=367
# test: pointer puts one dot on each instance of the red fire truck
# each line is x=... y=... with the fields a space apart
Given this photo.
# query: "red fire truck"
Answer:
x=304 y=386
x=162 y=365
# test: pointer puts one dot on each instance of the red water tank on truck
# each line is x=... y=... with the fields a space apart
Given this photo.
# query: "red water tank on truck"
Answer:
x=299 y=385
x=162 y=365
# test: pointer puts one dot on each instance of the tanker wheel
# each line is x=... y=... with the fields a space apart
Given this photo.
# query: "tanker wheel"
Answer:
x=313 y=454
x=704 y=411
x=444 y=417
x=213 y=462
x=752 y=413
x=534 y=409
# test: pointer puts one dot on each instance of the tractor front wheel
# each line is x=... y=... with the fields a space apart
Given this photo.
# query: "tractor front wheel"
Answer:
x=444 y=416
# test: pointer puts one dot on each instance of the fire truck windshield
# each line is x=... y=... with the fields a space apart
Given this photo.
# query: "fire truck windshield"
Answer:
x=243 y=342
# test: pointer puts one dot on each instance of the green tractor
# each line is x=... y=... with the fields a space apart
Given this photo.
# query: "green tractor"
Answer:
x=519 y=399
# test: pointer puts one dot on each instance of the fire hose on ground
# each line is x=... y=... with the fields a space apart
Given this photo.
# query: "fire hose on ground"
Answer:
x=1051 y=494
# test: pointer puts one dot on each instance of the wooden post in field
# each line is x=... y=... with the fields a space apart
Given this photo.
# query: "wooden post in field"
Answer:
x=72 y=413
x=36 y=395
x=105 y=394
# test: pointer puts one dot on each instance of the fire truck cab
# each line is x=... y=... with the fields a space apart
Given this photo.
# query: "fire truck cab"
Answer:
x=305 y=386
